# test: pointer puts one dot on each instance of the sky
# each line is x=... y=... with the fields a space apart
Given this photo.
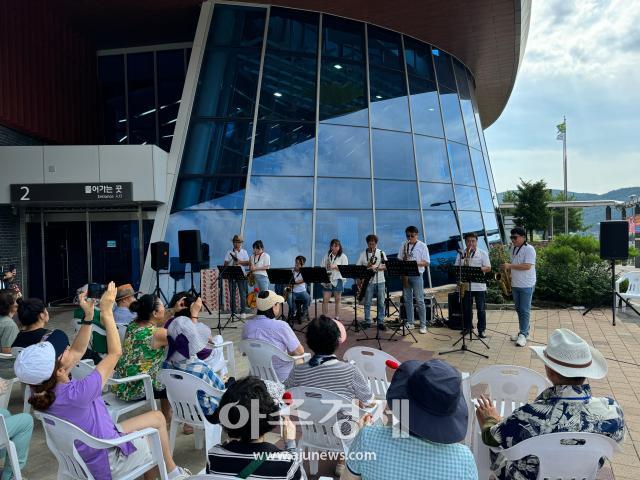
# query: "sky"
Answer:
x=582 y=61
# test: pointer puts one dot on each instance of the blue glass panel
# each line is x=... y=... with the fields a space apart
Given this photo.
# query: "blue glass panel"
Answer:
x=385 y=48
x=343 y=192
x=471 y=222
x=284 y=234
x=209 y=193
x=431 y=155
x=288 y=87
x=349 y=226
x=237 y=26
x=389 y=107
x=293 y=30
x=280 y=192
x=170 y=79
x=453 y=125
x=479 y=169
x=466 y=198
x=418 y=57
x=141 y=98
x=460 y=164
x=490 y=221
x=393 y=155
x=425 y=107
x=433 y=193
x=343 y=151
x=396 y=194
x=444 y=71
x=443 y=240
x=342 y=38
x=343 y=93
x=390 y=226
x=111 y=78
x=486 y=202
x=465 y=105
x=217 y=147
x=283 y=148
x=228 y=83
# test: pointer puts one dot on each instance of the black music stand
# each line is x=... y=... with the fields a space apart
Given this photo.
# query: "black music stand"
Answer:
x=280 y=276
x=357 y=272
x=400 y=268
x=228 y=272
x=312 y=276
x=467 y=275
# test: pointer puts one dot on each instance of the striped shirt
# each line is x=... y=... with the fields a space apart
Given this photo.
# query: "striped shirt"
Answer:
x=336 y=376
x=233 y=457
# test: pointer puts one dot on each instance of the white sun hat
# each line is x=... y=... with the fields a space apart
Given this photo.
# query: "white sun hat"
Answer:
x=570 y=356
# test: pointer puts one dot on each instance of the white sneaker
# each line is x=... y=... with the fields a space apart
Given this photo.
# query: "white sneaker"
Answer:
x=423 y=329
x=408 y=326
x=514 y=338
x=182 y=474
x=522 y=340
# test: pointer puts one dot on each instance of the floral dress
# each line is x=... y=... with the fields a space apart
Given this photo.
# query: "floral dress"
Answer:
x=138 y=357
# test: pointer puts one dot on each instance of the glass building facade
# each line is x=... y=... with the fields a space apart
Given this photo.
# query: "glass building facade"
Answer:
x=307 y=127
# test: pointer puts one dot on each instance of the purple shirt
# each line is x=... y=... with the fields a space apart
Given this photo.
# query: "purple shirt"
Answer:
x=278 y=334
x=80 y=402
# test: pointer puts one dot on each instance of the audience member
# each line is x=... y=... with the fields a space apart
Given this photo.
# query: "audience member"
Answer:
x=45 y=367
x=427 y=398
x=567 y=406
x=19 y=429
x=266 y=328
x=247 y=454
x=143 y=351
x=124 y=298
x=33 y=316
x=98 y=340
x=8 y=326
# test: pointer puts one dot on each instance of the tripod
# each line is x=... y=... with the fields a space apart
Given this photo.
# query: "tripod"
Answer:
x=195 y=293
x=616 y=296
x=228 y=272
x=158 y=291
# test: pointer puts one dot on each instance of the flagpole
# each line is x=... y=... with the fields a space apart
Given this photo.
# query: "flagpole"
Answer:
x=564 y=159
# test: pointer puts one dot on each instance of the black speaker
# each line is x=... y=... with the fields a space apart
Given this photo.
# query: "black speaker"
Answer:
x=176 y=270
x=159 y=256
x=204 y=247
x=189 y=246
x=614 y=240
x=455 y=312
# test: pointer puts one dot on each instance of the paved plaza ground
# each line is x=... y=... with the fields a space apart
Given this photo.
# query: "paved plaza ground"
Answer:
x=619 y=344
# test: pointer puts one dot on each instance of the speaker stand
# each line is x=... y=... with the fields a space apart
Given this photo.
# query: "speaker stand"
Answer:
x=615 y=295
x=193 y=291
x=158 y=291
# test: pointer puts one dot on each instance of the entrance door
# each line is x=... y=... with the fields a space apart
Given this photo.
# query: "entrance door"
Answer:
x=65 y=259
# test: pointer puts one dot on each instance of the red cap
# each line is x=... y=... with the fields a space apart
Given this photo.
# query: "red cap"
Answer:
x=391 y=364
x=288 y=399
x=256 y=289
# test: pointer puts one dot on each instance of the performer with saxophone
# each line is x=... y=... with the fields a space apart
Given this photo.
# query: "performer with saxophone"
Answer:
x=373 y=258
x=414 y=249
x=259 y=262
x=523 y=280
x=238 y=256
x=472 y=256
x=331 y=260
x=298 y=289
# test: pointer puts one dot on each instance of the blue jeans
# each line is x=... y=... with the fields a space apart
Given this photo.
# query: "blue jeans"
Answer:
x=242 y=287
x=262 y=282
x=20 y=428
x=368 y=298
x=416 y=286
x=468 y=310
x=298 y=296
x=522 y=299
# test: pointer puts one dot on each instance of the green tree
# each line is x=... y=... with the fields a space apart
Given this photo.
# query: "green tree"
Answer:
x=575 y=216
x=531 y=210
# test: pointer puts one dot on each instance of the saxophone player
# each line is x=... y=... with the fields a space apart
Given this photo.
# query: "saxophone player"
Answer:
x=473 y=256
x=330 y=261
x=238 y=256
x=298 y=289
x=373 y=258
x=414 y=249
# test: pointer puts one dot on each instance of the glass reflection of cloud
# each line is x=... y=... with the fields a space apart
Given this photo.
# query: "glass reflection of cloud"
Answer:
x=296 y=159
x=280 y=192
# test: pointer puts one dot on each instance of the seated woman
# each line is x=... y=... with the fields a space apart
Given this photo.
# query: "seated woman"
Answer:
x=247 y=454
x=266 y=328
x=143 y=351
x=45 y=367
x=8 y=326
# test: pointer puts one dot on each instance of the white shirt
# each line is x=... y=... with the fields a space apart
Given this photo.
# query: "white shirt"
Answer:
x=364 y=258
x=477 y=258
x=262 y=260
x=241 y=255
x=523 y=278
x=298 y=287
x=335 y=275
x=418 y=252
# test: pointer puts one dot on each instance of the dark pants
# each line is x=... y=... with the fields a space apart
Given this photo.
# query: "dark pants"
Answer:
x=468 y=310
x=242 y=287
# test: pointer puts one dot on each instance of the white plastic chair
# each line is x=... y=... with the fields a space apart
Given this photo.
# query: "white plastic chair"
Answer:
x=116 y=406
x=229 y=356
x=182 y=391
x=6 y=356
x=26 y=391
x=62 y=435
x=317 y=411
x=372 y=363
x=633 y=290
x=261 y=358
x=122 y=330
x=561 y=461
x=12 y=454
x=6 y=396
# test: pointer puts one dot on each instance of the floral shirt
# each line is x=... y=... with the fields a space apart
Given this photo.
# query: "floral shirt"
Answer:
x=561 y=408
x=138 y=357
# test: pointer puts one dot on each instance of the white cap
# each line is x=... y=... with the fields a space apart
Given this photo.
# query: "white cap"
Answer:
x=35 y=363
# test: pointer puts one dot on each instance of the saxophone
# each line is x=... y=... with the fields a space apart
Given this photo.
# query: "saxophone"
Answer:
x=504 y=281
x=362 y=288
x=463 y=286
x=251 y=278
x=328 y=267
x=289 y=288
x=405 y=257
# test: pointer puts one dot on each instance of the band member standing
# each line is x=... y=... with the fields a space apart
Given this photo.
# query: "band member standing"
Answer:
x=414 y=249
x=331 y=260
x=472 y=256
x=259 y=262
x=523 y=280
x=373 y=258
x=238 y=256
x=299 y=290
